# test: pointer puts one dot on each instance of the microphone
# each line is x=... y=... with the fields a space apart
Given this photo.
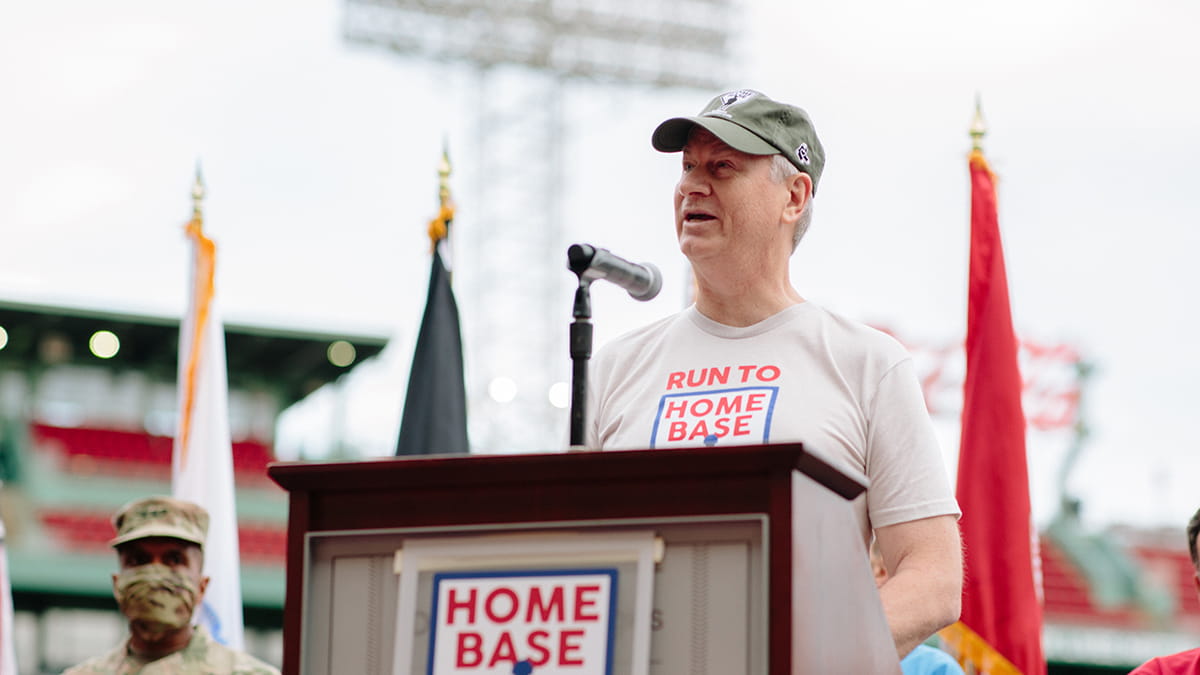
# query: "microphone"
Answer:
x=642 y=281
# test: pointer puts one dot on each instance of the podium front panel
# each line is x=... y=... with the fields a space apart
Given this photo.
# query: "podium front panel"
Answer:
x=708 y=608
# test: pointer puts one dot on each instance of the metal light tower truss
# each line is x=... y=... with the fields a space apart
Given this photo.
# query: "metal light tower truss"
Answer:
x=665 y=43
x=515 y=318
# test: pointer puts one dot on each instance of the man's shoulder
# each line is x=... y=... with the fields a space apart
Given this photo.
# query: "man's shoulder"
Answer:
x=205 y=655
x=248 y=665
x=104 y=664
x=637 y=339
x=219 y=658
x=244 y=664
x=863 y=333
x=654 y=327
x=95 y=666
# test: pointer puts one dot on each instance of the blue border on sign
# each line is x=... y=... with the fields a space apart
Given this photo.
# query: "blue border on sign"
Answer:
x=611 y=572
x=766 y=437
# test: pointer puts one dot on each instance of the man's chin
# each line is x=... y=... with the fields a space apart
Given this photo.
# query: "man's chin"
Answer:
x=696 y=248
x=150 y=631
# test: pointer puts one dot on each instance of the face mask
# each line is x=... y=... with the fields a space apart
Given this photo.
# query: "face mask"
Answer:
x=156 y=599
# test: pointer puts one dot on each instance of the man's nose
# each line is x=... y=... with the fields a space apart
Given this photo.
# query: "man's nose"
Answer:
x=693 y=182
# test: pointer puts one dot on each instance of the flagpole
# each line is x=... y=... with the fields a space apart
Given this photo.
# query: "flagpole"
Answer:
x=978 y=128
x=198 y=195
x=445 y=205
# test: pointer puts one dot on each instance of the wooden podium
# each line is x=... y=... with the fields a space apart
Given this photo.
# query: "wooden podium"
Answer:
x=763 y=569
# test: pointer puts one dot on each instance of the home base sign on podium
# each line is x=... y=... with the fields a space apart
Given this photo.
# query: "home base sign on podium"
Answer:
x=532 y=603
x=536 y=622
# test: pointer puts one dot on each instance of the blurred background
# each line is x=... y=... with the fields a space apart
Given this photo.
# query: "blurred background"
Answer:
x=319 y=126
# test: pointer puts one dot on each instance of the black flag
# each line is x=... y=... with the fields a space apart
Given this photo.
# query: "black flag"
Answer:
x=435 y=409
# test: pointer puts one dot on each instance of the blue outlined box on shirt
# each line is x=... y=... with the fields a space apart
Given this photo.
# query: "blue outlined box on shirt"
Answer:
x=738 y=416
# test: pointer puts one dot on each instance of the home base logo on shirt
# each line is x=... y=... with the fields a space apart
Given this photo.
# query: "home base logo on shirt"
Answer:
x=740 y=416
x=528 y=622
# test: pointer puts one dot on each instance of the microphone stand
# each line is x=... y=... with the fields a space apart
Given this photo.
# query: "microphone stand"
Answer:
x=581 y=347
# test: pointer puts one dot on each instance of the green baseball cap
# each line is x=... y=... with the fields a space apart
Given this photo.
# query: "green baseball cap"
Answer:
x=753 y=123
x=160 y=517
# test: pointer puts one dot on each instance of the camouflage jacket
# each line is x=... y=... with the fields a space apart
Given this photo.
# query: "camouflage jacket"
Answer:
x=202 y=656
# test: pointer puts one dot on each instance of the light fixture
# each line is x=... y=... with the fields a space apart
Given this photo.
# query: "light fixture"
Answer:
x=341 y=353
x=502 y=389
x=560 y=395
x=104 y=344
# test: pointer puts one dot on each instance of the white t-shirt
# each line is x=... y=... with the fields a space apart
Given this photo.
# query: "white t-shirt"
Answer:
x=848 y=392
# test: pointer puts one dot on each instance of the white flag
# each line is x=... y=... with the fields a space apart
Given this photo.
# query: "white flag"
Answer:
x=202 y=462
x=8 y=650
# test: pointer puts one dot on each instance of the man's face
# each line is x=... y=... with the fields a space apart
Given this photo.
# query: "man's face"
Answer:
x=727 y=203
x=181 y=556
x=160 y=584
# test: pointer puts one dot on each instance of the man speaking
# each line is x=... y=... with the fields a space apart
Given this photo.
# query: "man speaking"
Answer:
x=753 y=362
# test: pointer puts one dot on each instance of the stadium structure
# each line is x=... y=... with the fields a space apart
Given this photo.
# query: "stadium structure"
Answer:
x=83 y=431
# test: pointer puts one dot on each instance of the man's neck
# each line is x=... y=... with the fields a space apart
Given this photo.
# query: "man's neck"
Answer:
x=740 y=297
x=152 y=648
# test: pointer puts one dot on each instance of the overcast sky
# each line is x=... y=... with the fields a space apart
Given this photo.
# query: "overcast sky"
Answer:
x=320 y=162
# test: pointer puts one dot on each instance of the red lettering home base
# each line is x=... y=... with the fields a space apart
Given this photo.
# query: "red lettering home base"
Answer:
x=560 y=647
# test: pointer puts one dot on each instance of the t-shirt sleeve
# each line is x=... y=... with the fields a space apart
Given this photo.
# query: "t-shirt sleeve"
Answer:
x=908 y=475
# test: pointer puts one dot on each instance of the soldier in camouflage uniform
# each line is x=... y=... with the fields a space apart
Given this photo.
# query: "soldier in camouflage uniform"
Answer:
x=160 y=550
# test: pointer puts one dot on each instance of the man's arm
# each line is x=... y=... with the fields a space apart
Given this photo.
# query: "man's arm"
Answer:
x=923 y=592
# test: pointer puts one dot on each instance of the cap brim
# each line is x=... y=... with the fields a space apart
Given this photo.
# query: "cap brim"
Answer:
x=147 y=532
x=672 y=135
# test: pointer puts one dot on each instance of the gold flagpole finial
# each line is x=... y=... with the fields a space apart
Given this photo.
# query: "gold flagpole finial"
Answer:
x=444 y=171
x=439 y=226
x=198 y=195
x=978 y=128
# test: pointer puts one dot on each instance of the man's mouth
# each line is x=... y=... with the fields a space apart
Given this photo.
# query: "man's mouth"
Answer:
x=697 y=216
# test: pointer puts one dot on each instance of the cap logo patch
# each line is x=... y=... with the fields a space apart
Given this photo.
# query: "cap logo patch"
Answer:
x=802 y=153
x=735 y=96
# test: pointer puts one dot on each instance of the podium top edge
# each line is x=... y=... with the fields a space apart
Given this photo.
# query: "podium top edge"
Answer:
x=466 y=470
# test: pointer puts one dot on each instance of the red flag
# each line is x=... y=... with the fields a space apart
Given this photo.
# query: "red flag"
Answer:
x=1001 y=626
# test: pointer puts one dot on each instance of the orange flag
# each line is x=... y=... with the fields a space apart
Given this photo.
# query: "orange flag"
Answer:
x=1000 y=631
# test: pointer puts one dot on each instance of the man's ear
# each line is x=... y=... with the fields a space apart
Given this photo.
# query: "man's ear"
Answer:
x=800 y=190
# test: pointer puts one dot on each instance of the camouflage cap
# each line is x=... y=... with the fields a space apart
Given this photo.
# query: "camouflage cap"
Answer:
x=160 y=517
x=749 y=121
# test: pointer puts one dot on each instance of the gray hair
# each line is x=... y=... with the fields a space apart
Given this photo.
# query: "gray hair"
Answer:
x=782 y=169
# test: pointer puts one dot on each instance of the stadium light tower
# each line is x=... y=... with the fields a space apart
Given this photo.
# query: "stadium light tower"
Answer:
x=522 y=52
